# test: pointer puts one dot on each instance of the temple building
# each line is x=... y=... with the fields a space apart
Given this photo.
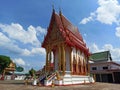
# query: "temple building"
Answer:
x=66 y=53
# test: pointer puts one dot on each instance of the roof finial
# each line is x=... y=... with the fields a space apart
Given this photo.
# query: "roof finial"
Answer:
x=53 y=7
x=60 y=12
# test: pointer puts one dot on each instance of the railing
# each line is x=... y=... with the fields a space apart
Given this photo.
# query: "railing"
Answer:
x=51 y=76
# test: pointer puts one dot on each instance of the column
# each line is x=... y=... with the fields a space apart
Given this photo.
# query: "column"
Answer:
x=59 y=63
x=76 y=67
x=77 y=72
x=50 y=56
x=88 y=66
x=113 y=77
x=46 y=69
x=54 y=60
x=100 y=77
x=50 y=59
x=71 y=60
x=80 y=67
x=94 y=76
x=49 y=65
x=84 y=67
x=63 y=58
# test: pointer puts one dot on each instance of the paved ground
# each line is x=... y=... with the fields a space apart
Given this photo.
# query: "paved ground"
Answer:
x=19 y=85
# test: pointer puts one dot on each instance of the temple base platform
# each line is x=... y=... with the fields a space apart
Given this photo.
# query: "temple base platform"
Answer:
x=69 y=79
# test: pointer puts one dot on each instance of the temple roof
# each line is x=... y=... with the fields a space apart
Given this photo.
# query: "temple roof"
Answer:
x=69 y=32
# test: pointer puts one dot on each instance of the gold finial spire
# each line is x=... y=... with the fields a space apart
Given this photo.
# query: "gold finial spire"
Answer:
x=60 y=11
x=53 y=7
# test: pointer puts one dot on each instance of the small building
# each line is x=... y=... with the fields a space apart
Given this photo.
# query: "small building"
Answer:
x=8 y=73
x=104 y=68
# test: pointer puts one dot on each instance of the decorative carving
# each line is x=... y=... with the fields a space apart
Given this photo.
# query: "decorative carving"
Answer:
x=58 y=75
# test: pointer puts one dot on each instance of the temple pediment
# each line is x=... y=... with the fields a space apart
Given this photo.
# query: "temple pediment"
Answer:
x=53 y=36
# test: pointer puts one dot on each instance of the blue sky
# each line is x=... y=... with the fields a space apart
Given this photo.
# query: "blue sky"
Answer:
x=23 y=24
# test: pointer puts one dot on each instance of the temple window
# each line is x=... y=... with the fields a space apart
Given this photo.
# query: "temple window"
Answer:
x=94 y=68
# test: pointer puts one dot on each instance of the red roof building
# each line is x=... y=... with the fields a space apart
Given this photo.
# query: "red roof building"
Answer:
x=67 y=51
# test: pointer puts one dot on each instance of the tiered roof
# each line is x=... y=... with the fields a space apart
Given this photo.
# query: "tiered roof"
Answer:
x=68 y=31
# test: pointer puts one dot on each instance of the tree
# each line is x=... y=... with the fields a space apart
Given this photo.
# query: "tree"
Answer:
x=32 y=72
x=4 y=62
x=19 y=69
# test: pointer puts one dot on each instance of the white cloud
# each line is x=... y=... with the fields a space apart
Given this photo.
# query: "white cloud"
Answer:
x=88 y=19
x=4 y=39
x=115 y=52
x=16 y=32
x=19 y=61
x=8 y=44
x=34 y=51
x=108 y=12
x=85 y=20
x=38 y=50
x=108 y=47
x=41 y=30
x=11 y=34
x=94 y=48
x=117 y=32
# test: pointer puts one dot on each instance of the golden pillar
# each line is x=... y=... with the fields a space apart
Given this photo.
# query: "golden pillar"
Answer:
x=63 y=59
x=88 y=66
x=84 y=67
x=46 y=69
x=50 y=59
x=59 y=62
x=71 y=60
x=77 y=72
